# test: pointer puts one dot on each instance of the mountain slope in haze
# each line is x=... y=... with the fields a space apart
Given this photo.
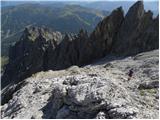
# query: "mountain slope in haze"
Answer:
x=66 y=19
x=99 y=5
x=110 y=5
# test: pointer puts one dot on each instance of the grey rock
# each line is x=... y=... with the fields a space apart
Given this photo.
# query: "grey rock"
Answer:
x=88 y=91
x=40 y=49
x=149 y=85
x=101 y=115
x=102 y=95
x=101 y=39
x=64 y=112
x=138 y=32
x=27 y=56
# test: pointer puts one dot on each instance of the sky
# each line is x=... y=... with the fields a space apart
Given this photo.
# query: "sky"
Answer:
x=77 y=0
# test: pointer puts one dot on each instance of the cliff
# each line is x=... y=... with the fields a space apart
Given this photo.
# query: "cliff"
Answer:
x=97 y=85
x=99 y=90
x=40 y=49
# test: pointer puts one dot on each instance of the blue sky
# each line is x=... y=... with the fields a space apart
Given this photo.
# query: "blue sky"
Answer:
x=77 y=0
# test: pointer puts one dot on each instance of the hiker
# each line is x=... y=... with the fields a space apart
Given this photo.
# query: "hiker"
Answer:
x=130 y=74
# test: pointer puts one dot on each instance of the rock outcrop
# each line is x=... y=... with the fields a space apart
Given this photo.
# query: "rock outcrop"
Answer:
x=101 y=39
x=99 y=90
x=41 y=50
x=68 y=52
x=27 y=56
x=138 y=32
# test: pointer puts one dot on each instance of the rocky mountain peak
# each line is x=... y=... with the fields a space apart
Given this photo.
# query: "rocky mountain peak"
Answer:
x=97 y=91
x=100 y=40
x=131 y=36
x=136 y=11
x=32 y=33
x=92 y=87
x=27 y=55
x=106 y=23
x=41 y=49
x=133 y=16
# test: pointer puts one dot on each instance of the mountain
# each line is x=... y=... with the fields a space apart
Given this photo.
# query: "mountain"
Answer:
x=126 y=4
x=56 y=4
x=56 y=75
x=139 y=36
x=40 y=49
x=66 y=19
x=100 y=90
x=108 y=5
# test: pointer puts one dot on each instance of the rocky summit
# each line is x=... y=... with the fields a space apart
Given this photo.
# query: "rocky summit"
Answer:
x=100 y=90
x=40 y=49
x=138 y=32
x=55 y=75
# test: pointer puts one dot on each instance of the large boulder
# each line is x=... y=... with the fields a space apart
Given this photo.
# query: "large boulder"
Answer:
x=59 y=98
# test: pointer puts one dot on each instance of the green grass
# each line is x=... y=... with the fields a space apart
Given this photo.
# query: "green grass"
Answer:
x=150 y=91
x=4 y=61
x=142 y=92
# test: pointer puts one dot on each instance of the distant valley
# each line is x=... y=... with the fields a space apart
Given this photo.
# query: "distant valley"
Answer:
x=63 y=18
x=66 y=16
x=99 y=5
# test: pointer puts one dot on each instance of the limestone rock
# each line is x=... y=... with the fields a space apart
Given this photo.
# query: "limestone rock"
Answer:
x=93 y=93
x=138 y=32
x=149 y=85
x=101 y=39
x=40 y=49
x=27 y=56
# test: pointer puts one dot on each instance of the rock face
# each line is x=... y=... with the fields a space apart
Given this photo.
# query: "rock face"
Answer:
x=27 y=56
x=41 y=50
x=138 y=32
x=99 y=90
x=67 y=52
x=101 y=39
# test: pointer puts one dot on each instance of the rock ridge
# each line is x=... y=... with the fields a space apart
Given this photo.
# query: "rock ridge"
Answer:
x=40 y=49
x=99 y=90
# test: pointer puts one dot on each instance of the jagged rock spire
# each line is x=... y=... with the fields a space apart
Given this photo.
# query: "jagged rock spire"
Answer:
x=131 y=36
x=116 y=34
x=136 y=11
